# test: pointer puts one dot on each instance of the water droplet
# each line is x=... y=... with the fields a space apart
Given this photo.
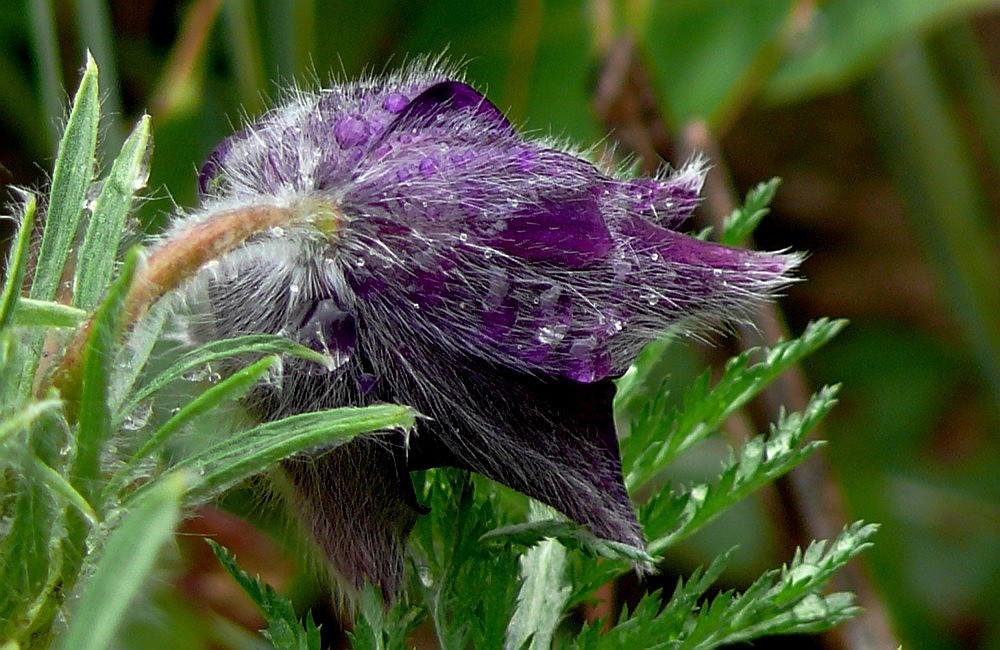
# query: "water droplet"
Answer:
x=463 y=236
x=293 y=288
x=548 y=298
x=139 y=416
x=552 y=334
x=276 y=231
x=360 y=262
x=654 y=256
x=198 y=374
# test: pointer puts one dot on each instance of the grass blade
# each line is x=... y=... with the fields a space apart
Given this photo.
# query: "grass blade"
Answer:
x=217 y=351
x=74 y=171
x=46 y=47
x=94 y=424
x=229 y=390
x=96 y=258
x=245 y=454
x=40 y=313
x=127 y=560
x=17 y=261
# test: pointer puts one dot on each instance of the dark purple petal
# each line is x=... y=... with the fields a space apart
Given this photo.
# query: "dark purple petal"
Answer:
x=449 y=97
x=552 y=439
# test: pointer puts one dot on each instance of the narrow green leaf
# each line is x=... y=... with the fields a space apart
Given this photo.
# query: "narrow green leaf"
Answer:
x=241 y=455
x=59 y=485
x=97 y=254
x=217 y=351
x=23 y=418
x=127 y=559
x=74 y=170
x=230 y=389
x=283 y=628
x=41 y=313
x=94 y=420
x=134 y=353
x=17 y=260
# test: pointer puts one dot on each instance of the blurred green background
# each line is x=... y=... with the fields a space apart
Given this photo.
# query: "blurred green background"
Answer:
x=881 y=116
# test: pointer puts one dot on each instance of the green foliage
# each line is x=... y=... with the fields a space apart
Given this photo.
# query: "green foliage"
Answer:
x=284 y=629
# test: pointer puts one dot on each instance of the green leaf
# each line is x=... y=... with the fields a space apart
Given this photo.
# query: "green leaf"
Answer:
x=541 y=602
x=22 y=419
x=241 y=455
x=659 y=433
x=668 y=518
x=41 y=313
x=17 y=260
x=229 y=390
x=570 y=535
x=708 y=57
x=382 y=629
x=217 y=351
x=97 y=254
x=94 y=420
x=73 y=172
x=283 y=628
x=125 y=564
x=57 y=484
x=745 y=219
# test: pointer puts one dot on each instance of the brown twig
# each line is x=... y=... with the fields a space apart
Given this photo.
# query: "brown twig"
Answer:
x=812 y=506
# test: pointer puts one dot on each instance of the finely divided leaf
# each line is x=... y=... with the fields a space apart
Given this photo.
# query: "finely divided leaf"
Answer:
x=283 y=627
x=660 y=434
x=744 y=220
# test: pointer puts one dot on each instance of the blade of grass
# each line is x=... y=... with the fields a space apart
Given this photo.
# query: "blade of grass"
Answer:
x=244 y=52
x=97 y=254
x=94 y=424
x=242 y=455
x=74 y=170
x=17 y=261
x=23 y=418
x=39 y=313
x=925 y=152
x=217 y=351
x=57 y=484
x=127 y=560
x=229 y=390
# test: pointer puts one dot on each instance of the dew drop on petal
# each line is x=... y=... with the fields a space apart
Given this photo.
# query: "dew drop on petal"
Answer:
x=395 y=102
x=552 y=334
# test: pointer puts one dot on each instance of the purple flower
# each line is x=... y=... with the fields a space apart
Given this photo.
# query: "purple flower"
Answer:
x=497 y=284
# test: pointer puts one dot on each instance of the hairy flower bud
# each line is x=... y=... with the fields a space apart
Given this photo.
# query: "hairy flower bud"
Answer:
x=496 y=283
